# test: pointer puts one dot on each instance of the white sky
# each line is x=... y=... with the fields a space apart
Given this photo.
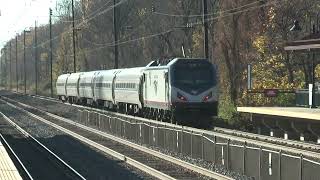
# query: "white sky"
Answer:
x=17 y=15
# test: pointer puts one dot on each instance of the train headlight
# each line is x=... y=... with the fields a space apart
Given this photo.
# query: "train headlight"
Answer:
x=181 y=97
x=207 y=97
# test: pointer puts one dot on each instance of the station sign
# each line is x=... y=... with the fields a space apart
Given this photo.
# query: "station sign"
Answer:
x=271 y=92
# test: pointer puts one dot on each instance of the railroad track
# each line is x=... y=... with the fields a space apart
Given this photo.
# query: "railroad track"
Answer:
x=31 y=156
x=297 y=147
x=308 y=146
x=287 y=142
x=232 y=138
x=157 y=164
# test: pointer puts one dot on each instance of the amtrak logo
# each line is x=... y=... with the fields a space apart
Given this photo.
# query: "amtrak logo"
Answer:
x=194 y=92
x=155 y=83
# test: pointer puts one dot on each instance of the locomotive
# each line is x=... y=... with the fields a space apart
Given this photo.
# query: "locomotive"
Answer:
x=161 y=90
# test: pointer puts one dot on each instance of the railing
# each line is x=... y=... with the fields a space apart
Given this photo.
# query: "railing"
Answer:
x=240 y=157
x=270 y=97
x=302 y=97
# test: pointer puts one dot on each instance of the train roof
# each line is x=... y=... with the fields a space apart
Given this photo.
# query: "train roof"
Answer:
x=159 y=64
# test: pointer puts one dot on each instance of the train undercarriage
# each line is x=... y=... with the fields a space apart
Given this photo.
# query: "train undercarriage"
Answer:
x=195 y=115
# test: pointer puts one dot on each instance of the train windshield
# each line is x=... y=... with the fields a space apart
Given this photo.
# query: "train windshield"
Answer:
x=193 y=75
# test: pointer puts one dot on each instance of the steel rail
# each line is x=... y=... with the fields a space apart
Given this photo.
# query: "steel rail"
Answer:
x=216 y=129
x=305 y=145
x=233 y=133
x=256 y=142
x=269 y=138
x=16 y=157
x=230 y=131
x=171 y=159
x=41 y=145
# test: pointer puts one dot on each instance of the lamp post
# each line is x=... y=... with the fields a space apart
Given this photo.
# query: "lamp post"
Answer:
x=24 y=60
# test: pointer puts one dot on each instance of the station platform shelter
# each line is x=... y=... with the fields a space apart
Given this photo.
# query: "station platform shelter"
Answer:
x=286 y=122
x=295 y=121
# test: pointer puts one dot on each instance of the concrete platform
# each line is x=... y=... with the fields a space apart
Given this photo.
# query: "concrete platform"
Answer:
x=291 y=112
x=287 y=122
x=8 y=171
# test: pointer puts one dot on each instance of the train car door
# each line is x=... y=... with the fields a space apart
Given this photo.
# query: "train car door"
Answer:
x=93 y=80
x=65 y=87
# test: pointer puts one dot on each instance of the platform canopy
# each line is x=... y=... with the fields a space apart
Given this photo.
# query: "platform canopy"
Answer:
x=307 y=43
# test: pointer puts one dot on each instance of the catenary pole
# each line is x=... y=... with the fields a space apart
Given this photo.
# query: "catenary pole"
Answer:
x=36 y=56
x=115 y=29
x=10 y=59
x=24 y=62
x=50 y=22
x=17 y=78
x=73 y=39
x=205 y=29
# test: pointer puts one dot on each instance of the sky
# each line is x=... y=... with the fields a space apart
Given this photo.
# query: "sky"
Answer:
x=17 y=15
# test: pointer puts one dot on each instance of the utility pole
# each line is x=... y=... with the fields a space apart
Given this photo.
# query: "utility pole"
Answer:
x=73 y=40
x=115 y=29
x=10 y=70
x=6 y=68
x=50 y=23
x=205 y=29
x=24 y=61
x=1 y=68
x=17 y=78
x=36 y=56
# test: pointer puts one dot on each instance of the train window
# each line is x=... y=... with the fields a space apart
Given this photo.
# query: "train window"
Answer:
x=193 y=75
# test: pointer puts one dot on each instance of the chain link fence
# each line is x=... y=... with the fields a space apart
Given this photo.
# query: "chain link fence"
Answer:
x=256 y=162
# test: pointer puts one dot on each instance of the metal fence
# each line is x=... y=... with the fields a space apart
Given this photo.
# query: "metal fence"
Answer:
x=256 y=162
x=302 y=98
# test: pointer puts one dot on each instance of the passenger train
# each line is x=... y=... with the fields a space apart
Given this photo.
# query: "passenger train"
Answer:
x=161 y=90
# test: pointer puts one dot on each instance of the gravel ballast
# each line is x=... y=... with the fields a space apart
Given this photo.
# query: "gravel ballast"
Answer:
x=71 y=113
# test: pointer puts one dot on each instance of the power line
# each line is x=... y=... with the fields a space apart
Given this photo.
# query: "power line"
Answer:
x=186 y=26
x=79 y=25
x=111 y=44
x=209 y=14
x=274 y=2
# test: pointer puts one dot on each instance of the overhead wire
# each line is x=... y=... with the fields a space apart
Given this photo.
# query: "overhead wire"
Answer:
x=78 y=25
x=160 y=33
x=173 y=28
x=209 y=14
x=91 y=14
